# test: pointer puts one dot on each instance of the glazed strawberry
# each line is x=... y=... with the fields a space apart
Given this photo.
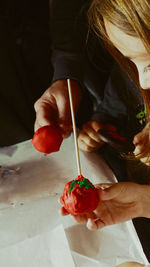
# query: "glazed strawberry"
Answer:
x=47 y=139
x=80 y=196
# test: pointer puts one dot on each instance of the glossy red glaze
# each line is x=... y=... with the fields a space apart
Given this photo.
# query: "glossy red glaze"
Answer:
x=80 y=200
x=47 y=139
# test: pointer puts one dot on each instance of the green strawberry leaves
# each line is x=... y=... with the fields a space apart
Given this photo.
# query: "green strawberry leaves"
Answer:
x=83 y=183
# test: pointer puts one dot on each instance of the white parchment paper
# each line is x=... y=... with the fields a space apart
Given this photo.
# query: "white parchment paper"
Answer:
x=26 y=174
x=46 y=250
x=30 y=226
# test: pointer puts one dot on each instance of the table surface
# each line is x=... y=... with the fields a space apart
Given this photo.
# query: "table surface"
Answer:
x=30 y=186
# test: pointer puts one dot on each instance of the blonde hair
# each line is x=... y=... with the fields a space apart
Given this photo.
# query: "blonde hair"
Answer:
x=133 y=18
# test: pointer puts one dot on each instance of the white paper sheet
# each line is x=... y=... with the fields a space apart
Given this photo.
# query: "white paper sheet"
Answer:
x=27 y=175
x=111 y=245
x=46 y=250
x=30 y=185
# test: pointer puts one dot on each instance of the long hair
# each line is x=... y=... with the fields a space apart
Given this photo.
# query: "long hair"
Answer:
x=133 y=18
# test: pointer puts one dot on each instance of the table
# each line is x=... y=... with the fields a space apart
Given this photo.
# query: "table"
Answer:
x=30 y=186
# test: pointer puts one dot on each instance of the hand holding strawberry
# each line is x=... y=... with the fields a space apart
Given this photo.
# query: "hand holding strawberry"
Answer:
x=79 y=196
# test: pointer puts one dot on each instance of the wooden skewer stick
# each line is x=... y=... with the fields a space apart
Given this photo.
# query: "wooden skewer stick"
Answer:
x=74 y=128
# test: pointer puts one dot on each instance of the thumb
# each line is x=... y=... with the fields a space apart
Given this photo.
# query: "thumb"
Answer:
x=110 y=192
x=96 y=125
x=137 y=139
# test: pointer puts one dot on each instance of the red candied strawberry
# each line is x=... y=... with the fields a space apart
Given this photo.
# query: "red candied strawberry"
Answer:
x=47 y=139
x=80 y=196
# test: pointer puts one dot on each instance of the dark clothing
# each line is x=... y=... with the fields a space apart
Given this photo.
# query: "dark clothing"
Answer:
x=25 y=66
x=115 y=99
x=76 y=52
x=26 y=71
x=79 y=55
x=25 y=59
x=121 y=105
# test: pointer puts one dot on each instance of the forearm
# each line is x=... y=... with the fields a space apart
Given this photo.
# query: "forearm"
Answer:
x=145 y=200
x=67 y=65
x=67 y=40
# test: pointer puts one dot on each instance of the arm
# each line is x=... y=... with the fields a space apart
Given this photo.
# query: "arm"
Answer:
x=118 y=107
x=68 y=33
x=67 y=61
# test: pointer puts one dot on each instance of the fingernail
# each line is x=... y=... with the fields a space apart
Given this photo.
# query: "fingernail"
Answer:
x=89 y=222
x=136 y=151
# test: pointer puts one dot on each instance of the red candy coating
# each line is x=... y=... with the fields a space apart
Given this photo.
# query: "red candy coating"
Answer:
x=47 y=139
x=80 y=196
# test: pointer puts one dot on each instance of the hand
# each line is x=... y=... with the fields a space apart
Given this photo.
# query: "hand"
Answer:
x=118 y=203
x=54 y=106
x=142 y=144
x=88 y=138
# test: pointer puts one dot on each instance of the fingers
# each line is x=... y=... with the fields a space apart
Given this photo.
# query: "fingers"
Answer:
x=141 y=142
x=141 y=139
x=63 y=108
x=103 y=193
x=86 y=143
x=83 y=219
x=63 y=211
x=53 y=106
x=80 y=219
x=66 y=130
x=103 y=186
x=44 y=114
x=95 y=224
x=91 y=128
x=137 y=139
x=88 y=139
x=111 y=191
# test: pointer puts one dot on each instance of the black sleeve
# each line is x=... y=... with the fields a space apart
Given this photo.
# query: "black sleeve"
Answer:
x=121 y=104
x=68 y=32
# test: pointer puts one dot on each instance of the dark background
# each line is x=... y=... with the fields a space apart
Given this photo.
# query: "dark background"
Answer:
x=25 y=65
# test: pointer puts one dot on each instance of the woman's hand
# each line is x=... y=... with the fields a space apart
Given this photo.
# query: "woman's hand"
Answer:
x=118 y=203
x=88 y=139
x=141 y=142
x=54 y=106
